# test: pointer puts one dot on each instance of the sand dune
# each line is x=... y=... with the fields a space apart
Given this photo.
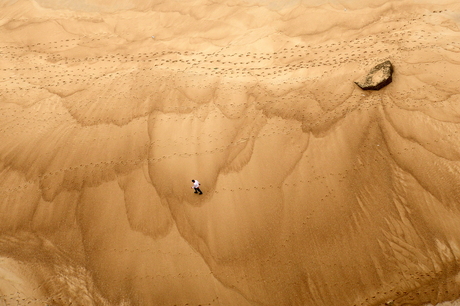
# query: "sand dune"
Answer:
x=315 y=191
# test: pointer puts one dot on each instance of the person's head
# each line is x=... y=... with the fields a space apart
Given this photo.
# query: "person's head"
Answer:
x=193 y=181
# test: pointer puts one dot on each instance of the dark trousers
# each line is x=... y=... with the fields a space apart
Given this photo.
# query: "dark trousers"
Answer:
x=197 y=190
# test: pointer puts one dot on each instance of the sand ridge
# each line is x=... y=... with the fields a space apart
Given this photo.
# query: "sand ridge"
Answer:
x=315 y=192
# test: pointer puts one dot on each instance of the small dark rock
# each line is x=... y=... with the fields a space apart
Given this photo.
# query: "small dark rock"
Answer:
x=378 y=77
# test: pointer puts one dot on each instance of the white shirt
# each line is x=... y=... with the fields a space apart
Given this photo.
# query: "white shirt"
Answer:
x=196 y=184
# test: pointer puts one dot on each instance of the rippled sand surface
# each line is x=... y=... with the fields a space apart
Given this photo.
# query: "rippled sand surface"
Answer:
x=315 y=192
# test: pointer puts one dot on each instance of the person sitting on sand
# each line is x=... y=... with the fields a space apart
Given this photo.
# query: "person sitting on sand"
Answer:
x=196 y=186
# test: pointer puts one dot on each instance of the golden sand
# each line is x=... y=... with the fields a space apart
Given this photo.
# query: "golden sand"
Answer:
x=316 y=193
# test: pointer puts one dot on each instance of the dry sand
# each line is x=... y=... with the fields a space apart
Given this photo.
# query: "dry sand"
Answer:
x=315 y=192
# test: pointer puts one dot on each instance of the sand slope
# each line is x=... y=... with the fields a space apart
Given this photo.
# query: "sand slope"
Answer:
x=315 y=192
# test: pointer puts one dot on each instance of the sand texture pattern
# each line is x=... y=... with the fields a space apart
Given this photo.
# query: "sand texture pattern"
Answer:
x=316 y=192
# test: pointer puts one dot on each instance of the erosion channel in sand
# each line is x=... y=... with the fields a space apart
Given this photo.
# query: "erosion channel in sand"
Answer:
x=315 y=192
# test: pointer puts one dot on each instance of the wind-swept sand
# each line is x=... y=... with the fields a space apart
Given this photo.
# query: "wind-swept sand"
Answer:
x=315 y=192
